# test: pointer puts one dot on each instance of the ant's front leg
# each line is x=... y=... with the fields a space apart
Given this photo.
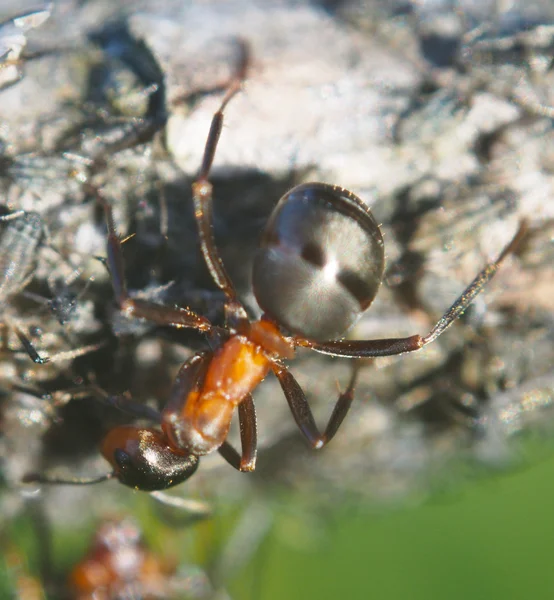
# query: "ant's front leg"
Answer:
x=302 y=412
x=134 y=307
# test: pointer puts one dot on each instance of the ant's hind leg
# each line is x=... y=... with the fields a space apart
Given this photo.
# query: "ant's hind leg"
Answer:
x=248 y=439
x=302 y=412
x=248 y=434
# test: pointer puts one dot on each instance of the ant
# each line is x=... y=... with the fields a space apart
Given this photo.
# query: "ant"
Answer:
x=318 y=268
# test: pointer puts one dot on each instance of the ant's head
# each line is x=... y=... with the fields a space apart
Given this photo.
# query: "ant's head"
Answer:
x=142 y=459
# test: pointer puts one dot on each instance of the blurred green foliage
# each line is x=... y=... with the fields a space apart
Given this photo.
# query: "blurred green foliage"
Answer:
x=493 y=540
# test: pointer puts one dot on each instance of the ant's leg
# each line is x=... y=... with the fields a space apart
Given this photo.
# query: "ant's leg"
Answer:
x=390 y=347
x=192 y=97
x=141 y=309
x=302 y=412
x=230 y=455
x=248 y=439
x=202 y=197
x=248 y=434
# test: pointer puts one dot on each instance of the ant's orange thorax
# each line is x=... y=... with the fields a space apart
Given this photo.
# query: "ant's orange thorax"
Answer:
x=234 y=372
x=242 y=363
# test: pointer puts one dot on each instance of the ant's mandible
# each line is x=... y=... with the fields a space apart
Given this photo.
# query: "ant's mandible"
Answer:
x=318 y=268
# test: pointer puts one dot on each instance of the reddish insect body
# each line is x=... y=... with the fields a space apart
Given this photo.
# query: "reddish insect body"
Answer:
x=118 y=565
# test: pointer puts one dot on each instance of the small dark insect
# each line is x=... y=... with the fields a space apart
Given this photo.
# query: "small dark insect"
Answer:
x=317 y=270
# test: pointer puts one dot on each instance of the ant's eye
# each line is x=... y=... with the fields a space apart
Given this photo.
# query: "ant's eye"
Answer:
x=320 y=262
x=122 y=459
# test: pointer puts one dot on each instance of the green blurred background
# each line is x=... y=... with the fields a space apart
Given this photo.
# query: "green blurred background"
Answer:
x=493 y=540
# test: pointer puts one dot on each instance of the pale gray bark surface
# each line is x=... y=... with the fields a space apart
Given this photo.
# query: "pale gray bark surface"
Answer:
x=449 y=159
